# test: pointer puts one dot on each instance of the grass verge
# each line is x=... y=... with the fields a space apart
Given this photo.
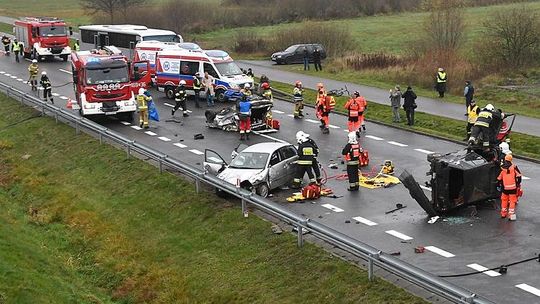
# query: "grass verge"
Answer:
x=6 y=28
x=521 y=144
x=107 y=229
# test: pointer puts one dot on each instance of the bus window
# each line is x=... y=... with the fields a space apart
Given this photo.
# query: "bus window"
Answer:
x=189 y=67
x=211 y=71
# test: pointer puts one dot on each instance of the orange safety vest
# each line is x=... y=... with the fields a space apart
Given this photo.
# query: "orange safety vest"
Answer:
x=508 y=177
x=355 y=106
x=353 y=154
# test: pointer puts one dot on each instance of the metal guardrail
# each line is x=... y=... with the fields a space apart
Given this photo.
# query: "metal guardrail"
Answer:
x=373 y=256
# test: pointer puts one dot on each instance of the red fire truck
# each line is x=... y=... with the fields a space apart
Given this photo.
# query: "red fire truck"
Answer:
x=106 y=84
x=43 y=37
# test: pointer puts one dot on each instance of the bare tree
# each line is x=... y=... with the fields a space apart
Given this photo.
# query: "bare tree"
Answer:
x=109 y=6
x=444 y=26
x=513 y=36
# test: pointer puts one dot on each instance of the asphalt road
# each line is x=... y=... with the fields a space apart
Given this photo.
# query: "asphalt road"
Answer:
x=523 y=124
x=460 y=242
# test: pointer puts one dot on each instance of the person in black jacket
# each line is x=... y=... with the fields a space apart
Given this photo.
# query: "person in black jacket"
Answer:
x=317 y=59
x=409 y=105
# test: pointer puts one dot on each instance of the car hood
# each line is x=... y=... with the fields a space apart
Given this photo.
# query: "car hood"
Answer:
x=278 y=54
x=231 y=175
x=239 y=79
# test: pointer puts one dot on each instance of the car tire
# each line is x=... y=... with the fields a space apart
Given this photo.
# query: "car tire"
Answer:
x=220 y=95
x=169 y=92
x=263 y=190
x=64 y=57
x=127 y=116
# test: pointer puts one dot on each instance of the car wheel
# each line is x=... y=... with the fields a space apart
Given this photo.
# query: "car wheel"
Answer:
x=285 y=61
x=220 y=95
x=64 y=57
x=169 y=92
x=263 y=190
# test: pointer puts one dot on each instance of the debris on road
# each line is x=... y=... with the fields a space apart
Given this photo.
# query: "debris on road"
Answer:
x=333 y=166
x=276 y=229
x=198 y=136
x=419 y=249
x=396 y=253
x=347 y=221
x=433 y=219
x=399 y=206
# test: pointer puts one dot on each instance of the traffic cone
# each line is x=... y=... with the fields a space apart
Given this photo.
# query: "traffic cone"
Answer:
x=69 y=104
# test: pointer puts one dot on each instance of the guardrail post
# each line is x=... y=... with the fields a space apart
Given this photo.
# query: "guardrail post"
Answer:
x=160 y=165
x=300 y=238
x=197 y=184
x=470 y=299
x=43 y=111
x=244 y=208
x=100 y=138
x=371 y=276
x=56 y=116
x=77 y=131
x=128 y=151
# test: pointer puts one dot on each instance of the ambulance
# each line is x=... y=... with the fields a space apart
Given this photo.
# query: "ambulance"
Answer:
x=147 y=50
x=175 y=65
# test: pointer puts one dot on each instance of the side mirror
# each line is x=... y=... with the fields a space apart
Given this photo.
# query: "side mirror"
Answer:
x=70 y=31
x=234 y=154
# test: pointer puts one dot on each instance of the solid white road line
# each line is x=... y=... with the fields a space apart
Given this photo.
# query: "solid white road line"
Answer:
x=440 y=252
x=525 y=178
x=195 y=151
x=424 y=151
x=62 y=70
x=364 y=221
x=169 y=105
x=333 y=127
x=425 y=188
x=312 y=121
x=399 y=235
x=269 y=137
x=164 y=138
x=179 y=145
x=64 y=97
x=397 y=144
x=125 y=123
x=150 y=133
x=18 y=79
x=484 y=270
x=333 y=208
x=136 y=128
x=528 y=288
x=374 y=137
x=290 y=115
x=277 y=111
x=55 y=94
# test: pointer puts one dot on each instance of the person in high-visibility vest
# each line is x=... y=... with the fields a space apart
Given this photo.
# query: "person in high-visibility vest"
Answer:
x=306 y=157
x=298 y=99
x=441 y=82
x=142 y=105
x=33 y=70
x=17 y=47
x=351 y=155
x=481 y=128
x=47 y=86
x=355 y=107
x=246 y=90
x=510 y=185
x=197 y=89
x=77 y=46
x=472 y=114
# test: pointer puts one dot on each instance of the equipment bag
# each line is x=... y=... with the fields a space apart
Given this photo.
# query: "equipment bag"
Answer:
x=311 y=191
x=152 y=112
x=275 y=124
x=364 y=158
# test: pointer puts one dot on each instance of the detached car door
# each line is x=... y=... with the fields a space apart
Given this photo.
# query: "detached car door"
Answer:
x=213 y=162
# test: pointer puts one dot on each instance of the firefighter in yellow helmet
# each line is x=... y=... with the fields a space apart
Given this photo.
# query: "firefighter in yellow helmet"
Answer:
x=142 y=105
x=33 y=70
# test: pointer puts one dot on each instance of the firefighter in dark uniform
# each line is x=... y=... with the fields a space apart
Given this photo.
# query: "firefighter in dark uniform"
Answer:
x=46 y=85
x=180 y=98
x=306 y=157
x=481 y=129
x=351 y=154
x=315 y=165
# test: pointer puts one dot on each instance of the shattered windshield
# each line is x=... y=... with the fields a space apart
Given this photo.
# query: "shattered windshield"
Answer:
x=107 y=75
x=250 y=160
x=48 y=31
x=228 y=69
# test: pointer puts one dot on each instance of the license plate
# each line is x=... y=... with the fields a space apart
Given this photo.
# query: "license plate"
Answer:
x=110 y=113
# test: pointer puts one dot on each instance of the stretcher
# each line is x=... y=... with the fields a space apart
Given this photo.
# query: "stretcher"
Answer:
x=297 y=196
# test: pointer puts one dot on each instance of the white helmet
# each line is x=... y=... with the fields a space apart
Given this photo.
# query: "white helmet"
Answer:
x=182 y=82
x=43 y=73
x=34 y=61
x=301 y=137
x=490 y=107
x=352 y=138
x=141 y=91
x=247 y=86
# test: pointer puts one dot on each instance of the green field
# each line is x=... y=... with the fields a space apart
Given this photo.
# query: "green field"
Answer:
x=107 y=229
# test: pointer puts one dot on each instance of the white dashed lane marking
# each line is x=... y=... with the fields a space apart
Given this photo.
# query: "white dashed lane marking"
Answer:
x=163 y=138
x=399 y=235
x=13 y=76
x=64 y=97
x=269 y=137
x=290 y=115
x=440 y=252
x=19 y=79
x=334 y=127
x=374 y=137
x=528 y=288
x=312 y=121
x=277 y=111
x=7 y=74
x=125 y=123
x=169 y=105
x=424 y=151
x=195 y=151
x=179 y=145
x=525 y=178
x=2 y=72
x=150 y=133
x=332 y=207
x=364 y=221
x=397 y=144
x=484 y=270
x=136 y=127
x=55 y=94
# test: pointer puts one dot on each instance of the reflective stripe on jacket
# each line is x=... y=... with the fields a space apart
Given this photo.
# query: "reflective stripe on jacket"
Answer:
x=352 y=154
x=142 y=101
x=509 y=177
x=472 y=112
x=484 y=119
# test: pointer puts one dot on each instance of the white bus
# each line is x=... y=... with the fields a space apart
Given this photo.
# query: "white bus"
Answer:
x=124 y=35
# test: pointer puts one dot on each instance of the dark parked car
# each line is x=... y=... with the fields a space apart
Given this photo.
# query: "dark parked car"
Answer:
x=295 y=53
